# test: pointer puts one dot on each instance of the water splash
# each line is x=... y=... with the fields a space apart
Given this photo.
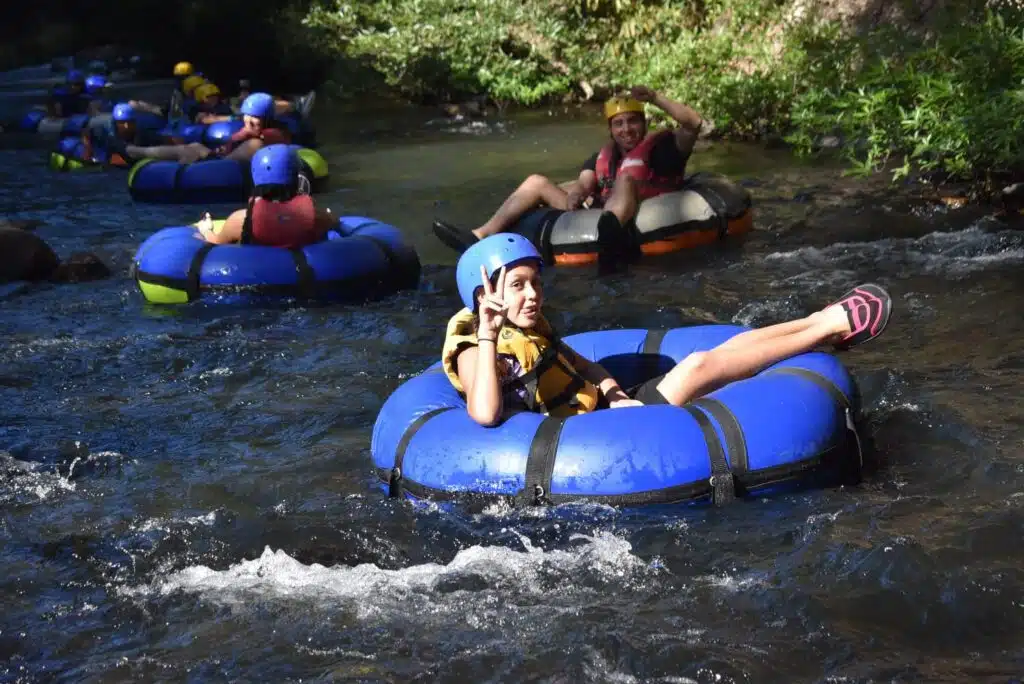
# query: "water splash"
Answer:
x=597 y=561
x=951 y=254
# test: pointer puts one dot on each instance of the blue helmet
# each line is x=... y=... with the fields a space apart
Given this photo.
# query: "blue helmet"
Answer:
x=259 y=105
x=275 y=165
x=123 y=112
x=95 y=83
x=75 y=77
x=492 y=253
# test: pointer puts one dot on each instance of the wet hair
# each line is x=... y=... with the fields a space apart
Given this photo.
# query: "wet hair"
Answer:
x=278 y=193
x=80 y=267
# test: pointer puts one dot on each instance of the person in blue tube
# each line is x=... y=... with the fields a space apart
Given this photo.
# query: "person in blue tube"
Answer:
x=108 y=144
x=208 y=106
x=101 y=144
x=503 y=355
x=97 y=88
x=69 y=98
x=280 y=212
x=259 y=129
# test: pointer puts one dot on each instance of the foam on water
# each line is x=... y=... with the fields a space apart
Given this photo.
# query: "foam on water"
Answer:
x=369 y=590
x=166 y=525
x=26 y=479
x=951 y=254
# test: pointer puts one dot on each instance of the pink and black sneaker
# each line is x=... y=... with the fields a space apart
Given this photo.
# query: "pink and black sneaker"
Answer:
x=868 y=308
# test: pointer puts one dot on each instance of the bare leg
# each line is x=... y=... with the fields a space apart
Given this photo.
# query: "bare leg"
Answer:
x=534 y=190
x=624 y=200
x=704 y=372
x=759 y=335
x=145 y=107
x=246 y=151
x=183 y=154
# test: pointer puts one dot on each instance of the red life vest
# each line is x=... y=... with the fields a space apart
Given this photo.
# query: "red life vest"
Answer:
x=270 y=136
x=287 y=224
x=637 y=164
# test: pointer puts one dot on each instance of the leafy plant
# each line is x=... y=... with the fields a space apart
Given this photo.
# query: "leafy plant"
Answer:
x=949 y=100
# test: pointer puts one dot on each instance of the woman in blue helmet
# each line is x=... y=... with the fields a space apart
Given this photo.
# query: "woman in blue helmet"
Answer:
x=69 y=98
x=503 y=356
x=280 y=212
x=100 y=144
x=258 y=129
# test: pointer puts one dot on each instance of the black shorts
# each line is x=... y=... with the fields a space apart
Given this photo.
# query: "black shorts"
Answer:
x=647 y=392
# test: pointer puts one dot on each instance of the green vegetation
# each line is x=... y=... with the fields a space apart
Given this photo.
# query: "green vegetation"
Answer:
x=943 y=94
x=940 y=92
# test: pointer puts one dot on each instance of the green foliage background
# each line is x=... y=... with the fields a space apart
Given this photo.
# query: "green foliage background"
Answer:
x=941 y=93
x=945 y=96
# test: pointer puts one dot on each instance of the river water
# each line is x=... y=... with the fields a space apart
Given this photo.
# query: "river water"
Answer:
x=185 y=493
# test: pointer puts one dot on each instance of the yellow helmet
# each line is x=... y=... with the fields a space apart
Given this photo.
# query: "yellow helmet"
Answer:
x=183 y=69
x=205 y=90
x=618 y=105
x=191 y=83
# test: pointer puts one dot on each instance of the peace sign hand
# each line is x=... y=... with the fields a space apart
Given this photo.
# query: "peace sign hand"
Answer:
x=493 y=308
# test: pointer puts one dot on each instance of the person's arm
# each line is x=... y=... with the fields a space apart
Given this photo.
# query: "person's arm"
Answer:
x=478 y=373
x=207 y=118
x=584 y=186
x=478 y=366
x=587 y=182
x=230 y=232
x=325 y=221
x=143 y=106
x=596 y=374
x=53 y=107
x=688 y=119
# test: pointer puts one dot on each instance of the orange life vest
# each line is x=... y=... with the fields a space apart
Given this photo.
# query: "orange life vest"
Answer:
x=637 y=164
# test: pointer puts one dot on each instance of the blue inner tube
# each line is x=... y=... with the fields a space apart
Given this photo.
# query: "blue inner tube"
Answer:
x=211 y=135
x=789 y=426
x=205 y=182
x=213 y=180
x=363 y=258
x=71 y=125
x=217 y=134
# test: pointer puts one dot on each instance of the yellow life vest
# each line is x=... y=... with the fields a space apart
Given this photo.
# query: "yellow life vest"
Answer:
x=552 y=386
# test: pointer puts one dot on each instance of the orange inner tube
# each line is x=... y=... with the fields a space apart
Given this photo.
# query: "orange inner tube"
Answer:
x=743 y=223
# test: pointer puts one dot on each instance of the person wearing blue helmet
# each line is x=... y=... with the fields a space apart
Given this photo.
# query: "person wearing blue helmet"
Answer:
x=259 y=129
x=69 y=98
x=503 y=355
x=95 y=84
x=98 y=89
x=300 y=105
x=280 y=212
x=105 y=144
